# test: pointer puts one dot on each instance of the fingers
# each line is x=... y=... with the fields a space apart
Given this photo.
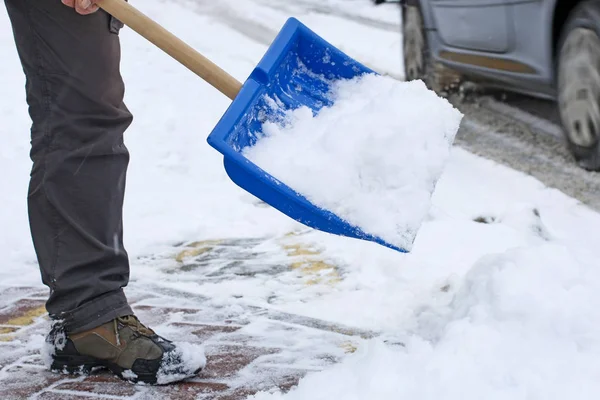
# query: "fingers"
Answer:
x=83 y=7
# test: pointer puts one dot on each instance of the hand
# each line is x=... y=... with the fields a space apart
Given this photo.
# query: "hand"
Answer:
x=83 y=7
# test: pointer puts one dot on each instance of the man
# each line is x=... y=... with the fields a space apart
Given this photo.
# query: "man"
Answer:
x=70 y=54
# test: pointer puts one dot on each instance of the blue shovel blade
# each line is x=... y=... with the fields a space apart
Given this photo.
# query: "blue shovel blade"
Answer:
x=297 y=70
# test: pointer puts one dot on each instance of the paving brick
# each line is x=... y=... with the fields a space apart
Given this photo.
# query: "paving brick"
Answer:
x=185 y=391
x=166 y=310
x=22 y=312
x=226 y=361
x=103 y=383
x=10 y=353
x=286 y=382
x=7 y=333
x=281 y=380
x=236 y=365
x=205 y=332
x=63 y=396
x=238 y=394
x=136 y=297
x=5 y=330
x=32 y=360
x=22 y=382
x=153 y=316
x=9 y=294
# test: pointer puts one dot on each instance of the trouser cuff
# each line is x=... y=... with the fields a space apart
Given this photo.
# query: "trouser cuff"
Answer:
x=96 y=312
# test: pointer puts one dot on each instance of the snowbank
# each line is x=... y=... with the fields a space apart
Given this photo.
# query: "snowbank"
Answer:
x=522 y=325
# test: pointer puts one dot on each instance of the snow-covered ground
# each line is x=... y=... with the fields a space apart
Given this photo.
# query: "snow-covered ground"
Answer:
x=498 y=299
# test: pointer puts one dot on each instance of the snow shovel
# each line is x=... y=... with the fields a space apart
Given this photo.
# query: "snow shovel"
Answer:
x=289 y=71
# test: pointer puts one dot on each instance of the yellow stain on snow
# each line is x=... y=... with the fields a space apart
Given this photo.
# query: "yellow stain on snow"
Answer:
x=22 y=320
x=310 y=265
x=196 y=248
x=27 y=318
x=300 y=250
x=4 y=330
x=348 y=347
x=305 y=259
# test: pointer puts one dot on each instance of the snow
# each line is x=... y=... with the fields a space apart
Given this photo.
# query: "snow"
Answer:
x=522 y=325
x=372 y=158
x=15 y=245
x=498 y=310
x=501 y=310
x=367 y=33
x=182 y=362
x=129 y=374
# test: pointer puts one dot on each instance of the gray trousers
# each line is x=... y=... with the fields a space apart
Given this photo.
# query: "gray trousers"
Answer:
x=75 y=97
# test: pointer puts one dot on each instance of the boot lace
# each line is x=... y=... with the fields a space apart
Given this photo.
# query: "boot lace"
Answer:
x=134 y=323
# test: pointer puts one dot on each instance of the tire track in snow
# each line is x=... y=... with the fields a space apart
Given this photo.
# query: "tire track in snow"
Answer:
x=504 y=140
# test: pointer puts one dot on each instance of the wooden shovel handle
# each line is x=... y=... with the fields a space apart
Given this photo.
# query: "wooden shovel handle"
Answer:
x=173 y=46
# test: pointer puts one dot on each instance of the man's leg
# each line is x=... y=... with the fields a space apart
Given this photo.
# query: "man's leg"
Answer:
x=75 y=96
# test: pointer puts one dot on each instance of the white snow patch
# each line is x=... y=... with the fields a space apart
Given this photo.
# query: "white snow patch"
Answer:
x=129 y=374
x=38 y=343
x=181 y=363
x=57 y=340
x=522 y=325
x=372 y=158
x=18 y=259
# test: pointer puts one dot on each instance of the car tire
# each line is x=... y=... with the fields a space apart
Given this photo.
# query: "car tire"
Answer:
x=418 y=62
x=578 y=83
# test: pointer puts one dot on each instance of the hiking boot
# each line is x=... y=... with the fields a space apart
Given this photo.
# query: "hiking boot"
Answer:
x=129 y=349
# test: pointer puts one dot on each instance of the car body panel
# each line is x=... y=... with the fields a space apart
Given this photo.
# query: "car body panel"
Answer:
x=471 y=25
x=503 y=42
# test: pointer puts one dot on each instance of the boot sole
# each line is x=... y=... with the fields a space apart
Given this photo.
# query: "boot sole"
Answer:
x=84 y=365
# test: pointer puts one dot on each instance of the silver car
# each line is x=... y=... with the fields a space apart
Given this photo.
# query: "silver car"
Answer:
x=544 y=48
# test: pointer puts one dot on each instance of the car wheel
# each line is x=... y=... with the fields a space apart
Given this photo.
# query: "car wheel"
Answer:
x=418 y=63
x=578 y=83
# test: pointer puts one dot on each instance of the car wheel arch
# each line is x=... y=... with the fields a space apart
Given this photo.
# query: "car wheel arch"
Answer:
x=426 y=11
x=561 y=11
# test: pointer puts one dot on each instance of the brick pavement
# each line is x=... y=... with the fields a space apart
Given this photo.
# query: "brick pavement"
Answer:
x=248 y=348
